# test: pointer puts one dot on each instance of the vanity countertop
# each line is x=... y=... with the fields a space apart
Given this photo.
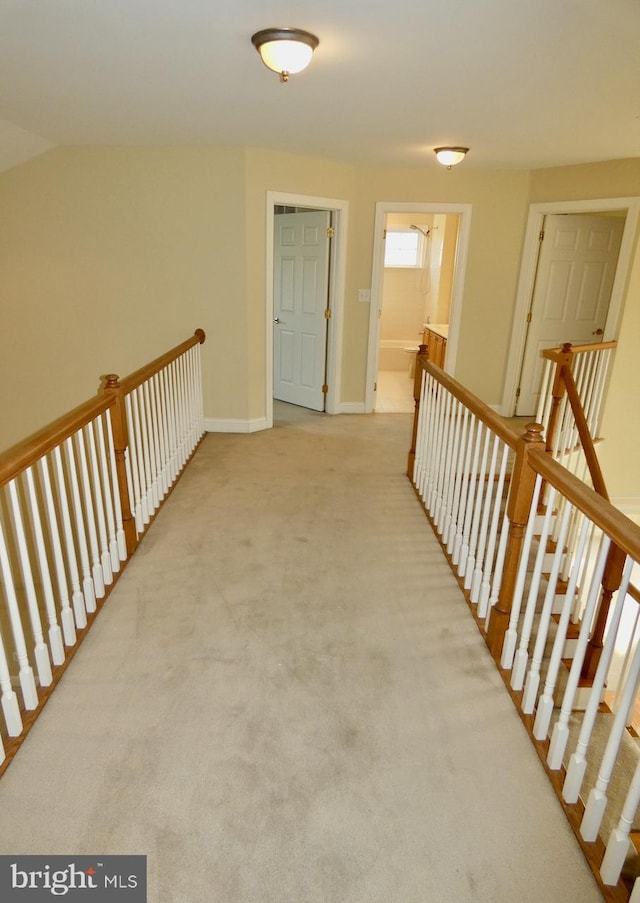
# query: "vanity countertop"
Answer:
x=439 y=329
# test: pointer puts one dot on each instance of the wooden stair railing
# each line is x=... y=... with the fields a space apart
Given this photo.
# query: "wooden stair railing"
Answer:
x=75 y=500
x=564 y=382
x=487 y=522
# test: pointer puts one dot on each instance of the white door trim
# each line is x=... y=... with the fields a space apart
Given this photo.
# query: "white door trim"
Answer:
x=537 y=213
x=377 y=272
x=340 y=209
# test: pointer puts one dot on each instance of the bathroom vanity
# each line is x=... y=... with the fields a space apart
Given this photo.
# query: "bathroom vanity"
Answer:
x=435 y=338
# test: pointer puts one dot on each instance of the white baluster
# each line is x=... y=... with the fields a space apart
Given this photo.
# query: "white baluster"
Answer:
x=55 y=634
x=10 y=705
x=90 y=519
x=436 y=450
x=150 y=448
x=560 y=734
x=109 y=494
x=498 y=570
x=88 y=589
x=484 y=591
x=77 y=597
x=66 y=614
x=522 y=655
x=158 y=430
x=457 y=486
x=171 y=416
x=578 y=762
x=418 y=462
x=101 y=497
x=164 y=404
x=135 y=466
x=40 y=651
x=442 y=477
x=476 y=577
x=532 y=682
x=481 y=485
x=469 y=504
x=452 y=468
x=511 y=634
x=545 y=703
x=27 y=680
x=597 y=801
x=143 y=454
x=466 y=469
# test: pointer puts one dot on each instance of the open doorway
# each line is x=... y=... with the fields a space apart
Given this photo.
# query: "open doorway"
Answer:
x=283 y=348
x=417 y=282
x=538 y=286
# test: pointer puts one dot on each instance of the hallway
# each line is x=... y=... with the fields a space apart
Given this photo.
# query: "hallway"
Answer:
x=286 y=700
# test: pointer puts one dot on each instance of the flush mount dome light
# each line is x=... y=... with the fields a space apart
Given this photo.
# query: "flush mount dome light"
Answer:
x=449 y=156
x=285 y=50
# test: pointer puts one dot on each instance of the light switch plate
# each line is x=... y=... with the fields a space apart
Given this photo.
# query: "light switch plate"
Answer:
x=364 y=295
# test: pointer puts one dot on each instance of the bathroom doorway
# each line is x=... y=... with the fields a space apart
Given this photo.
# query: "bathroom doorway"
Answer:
x=416 y=285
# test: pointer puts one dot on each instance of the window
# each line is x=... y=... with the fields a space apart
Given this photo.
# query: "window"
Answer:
x=403 y=247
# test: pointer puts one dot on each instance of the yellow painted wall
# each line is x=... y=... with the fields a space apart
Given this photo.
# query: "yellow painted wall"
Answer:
x=618 y=454
x=110 y=256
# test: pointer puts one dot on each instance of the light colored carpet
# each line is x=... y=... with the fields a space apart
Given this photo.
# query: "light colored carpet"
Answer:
x=285 y=699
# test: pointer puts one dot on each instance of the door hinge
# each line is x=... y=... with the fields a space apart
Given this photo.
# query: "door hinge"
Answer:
x=375 y=387
x=331 y=232
x=384 y=234
x=529 y=317
x=325 y=389
x=541 y=235
x=518 y=392
x=327 y=314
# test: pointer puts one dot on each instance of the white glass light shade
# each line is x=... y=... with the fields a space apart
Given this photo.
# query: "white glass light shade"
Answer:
x=285 y=50
x=449 y=156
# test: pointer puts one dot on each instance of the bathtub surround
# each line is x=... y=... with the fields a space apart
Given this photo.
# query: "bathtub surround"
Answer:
x=286 y=699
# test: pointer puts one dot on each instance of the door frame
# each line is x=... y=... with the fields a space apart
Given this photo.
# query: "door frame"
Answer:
x=383 y=208
x=528 y=267
x=337 y=280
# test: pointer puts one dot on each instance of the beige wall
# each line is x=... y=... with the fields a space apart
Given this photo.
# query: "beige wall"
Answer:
x=621 y=427
x=109 y=257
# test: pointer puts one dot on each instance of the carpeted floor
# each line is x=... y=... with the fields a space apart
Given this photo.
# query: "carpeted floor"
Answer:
x=285 y=699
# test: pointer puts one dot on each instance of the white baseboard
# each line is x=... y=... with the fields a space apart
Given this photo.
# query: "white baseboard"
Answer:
x=220 y=425
x=351 y=407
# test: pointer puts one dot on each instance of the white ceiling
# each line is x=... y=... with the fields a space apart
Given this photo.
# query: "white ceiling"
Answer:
x=523 y=84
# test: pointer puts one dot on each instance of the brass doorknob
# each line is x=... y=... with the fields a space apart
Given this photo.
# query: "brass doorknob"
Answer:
x=597 y=332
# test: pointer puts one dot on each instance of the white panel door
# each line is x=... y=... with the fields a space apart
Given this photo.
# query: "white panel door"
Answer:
x=300 y=298
x=576 y=268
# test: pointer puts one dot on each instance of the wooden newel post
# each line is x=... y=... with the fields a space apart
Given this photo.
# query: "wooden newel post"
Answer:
x=523 y=481
x=121 y=443
x=421 y=357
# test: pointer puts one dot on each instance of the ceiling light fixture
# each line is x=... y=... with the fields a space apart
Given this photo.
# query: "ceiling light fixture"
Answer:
x=449 y=156
x=285 y=50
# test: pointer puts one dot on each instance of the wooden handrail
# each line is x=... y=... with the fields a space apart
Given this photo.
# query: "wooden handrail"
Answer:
x=552 y=354
x=128 y=383
x=30 y=450
x=623 y=532
x=471 y=401
x=583 y=431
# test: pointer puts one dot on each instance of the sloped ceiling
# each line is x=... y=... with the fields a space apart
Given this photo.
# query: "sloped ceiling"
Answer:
x=524 y=85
